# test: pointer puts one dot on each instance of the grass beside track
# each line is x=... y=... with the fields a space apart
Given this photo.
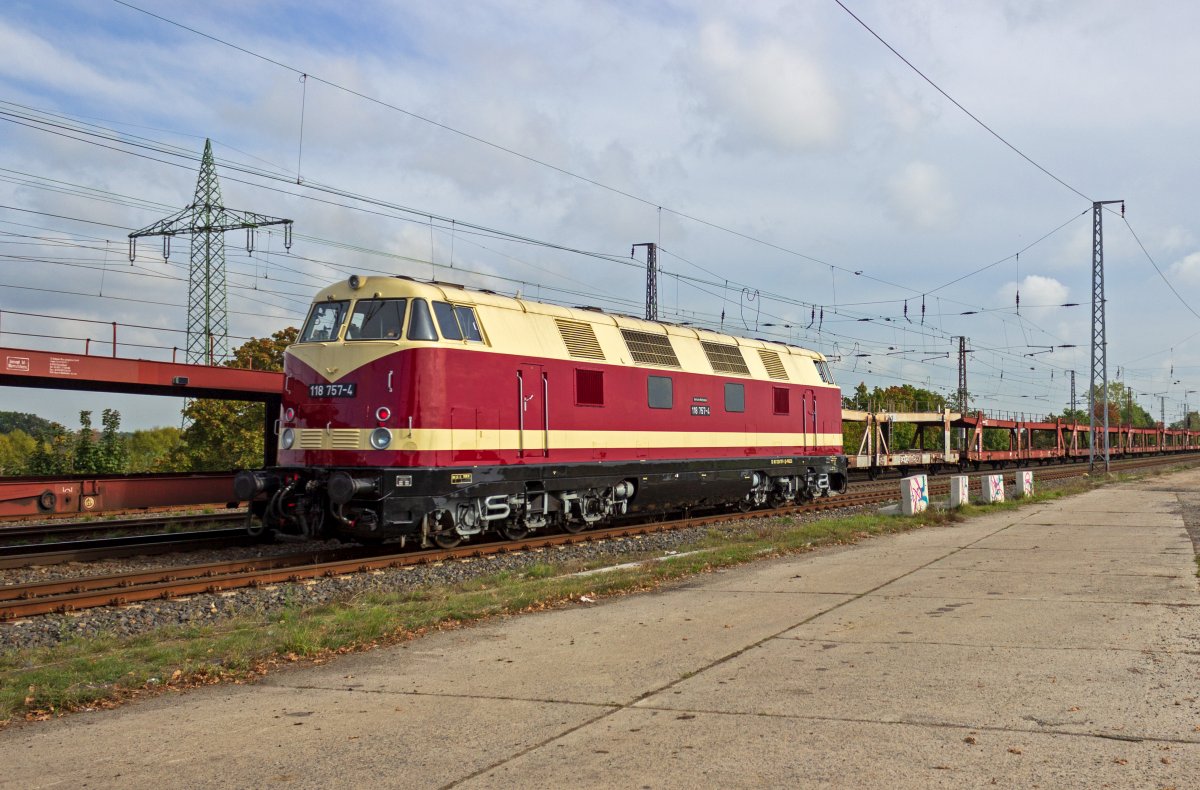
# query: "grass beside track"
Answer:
x=103 y=672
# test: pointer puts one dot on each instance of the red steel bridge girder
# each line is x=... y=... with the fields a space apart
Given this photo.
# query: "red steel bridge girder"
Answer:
x=50 y=370
x=45 y=369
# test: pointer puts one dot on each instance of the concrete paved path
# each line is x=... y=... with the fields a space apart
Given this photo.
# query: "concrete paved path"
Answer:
x=1054 y=646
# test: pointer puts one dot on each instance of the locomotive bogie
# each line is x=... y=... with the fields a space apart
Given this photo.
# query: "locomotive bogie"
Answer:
x=512 y=501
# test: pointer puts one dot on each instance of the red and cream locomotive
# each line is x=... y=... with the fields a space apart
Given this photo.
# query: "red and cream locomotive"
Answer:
x=432 y=413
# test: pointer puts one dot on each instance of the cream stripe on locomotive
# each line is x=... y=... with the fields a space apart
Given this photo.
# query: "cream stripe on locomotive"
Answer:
x=470 y=439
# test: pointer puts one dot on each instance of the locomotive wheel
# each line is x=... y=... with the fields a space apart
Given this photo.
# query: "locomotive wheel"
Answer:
x=447 y=539
x=514 y=531
x=446 y=536
x=574 y=527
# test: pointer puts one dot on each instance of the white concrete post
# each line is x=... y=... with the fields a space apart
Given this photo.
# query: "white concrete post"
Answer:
x=993 y=488
x=960 y=492
x=914 y=494
x=1024 y=484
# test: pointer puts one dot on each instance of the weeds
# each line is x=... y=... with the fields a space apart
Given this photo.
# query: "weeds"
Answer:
x=102 y=671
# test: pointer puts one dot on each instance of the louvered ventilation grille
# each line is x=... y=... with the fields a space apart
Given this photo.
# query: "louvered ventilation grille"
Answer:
x=725 y=358
x=344 y=438
x=309 y=438
x=773 y=364
x=338 y=439
x=580 y=339
x=650 y=349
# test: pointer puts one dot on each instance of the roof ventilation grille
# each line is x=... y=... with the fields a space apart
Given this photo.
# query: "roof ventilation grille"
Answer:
x=580 y=339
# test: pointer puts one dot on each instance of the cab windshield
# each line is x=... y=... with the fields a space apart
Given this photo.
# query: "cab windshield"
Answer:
x=324 y=322
x=376 y=319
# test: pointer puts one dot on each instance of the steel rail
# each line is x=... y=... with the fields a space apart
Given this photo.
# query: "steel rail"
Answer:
x=31 y=554
x=23 y=532
x=74 y=594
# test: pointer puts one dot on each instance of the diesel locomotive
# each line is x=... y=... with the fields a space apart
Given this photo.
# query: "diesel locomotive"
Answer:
x=433 y=413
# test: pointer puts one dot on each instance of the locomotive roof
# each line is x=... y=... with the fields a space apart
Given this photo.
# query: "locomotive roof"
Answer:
x=398 y=286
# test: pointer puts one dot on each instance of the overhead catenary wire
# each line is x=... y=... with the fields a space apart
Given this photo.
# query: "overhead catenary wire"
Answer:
x=454 y=224
x=949 y=98
x=649 y=202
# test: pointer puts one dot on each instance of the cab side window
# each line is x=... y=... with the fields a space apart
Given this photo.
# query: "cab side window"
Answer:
x=420 y=325
x=468 y=322
x=457 y=322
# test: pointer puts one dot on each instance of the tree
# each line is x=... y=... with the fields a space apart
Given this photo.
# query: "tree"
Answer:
x=894 y=399
x=262 y=353
x=1071 y=416
x=112 y=455
x=228 y=434
x=1122 y=408
x=860 y=400
x=1191 y=421
x=151 y=450
x=16 y=448
x=85 y=446
x=30 y=424
x=52 y=455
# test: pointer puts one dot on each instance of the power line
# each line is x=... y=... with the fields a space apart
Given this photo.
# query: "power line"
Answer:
x=1146 y=252
x=952 y=100
x=308 y=75
x=477 y=230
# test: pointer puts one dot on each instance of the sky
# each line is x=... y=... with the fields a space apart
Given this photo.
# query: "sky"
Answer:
x=802 y=181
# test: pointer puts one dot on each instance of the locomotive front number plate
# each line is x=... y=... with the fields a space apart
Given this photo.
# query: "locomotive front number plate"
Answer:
x=332 y=390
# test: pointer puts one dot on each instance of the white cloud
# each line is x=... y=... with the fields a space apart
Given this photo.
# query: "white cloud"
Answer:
x=1185 y=271
x=762 y=94
x=780 y=120
x=28 y=57
x=1177 y=237
x=1041 y=299
x=921 y=195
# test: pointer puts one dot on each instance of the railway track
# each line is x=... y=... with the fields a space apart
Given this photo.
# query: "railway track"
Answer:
x=61 y=528
x=25 y=600
x=30 y=554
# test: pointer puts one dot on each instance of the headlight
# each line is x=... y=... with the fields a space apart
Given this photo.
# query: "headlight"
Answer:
x=287 y=438
x=381 y=438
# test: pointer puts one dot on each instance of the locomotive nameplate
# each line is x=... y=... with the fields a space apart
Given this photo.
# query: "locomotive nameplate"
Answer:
x=701 y=411
x=460 y=477
x=781 y=461
x=403 y=481
x=348 y=390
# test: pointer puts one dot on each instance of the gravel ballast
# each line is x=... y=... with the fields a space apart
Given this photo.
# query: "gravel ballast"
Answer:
x=210 y=609
x=213 y=609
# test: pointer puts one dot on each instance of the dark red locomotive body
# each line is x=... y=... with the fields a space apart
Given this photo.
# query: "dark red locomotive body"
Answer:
x=431 y=412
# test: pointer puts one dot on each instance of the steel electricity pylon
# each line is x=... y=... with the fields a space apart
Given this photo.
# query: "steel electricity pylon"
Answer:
x=1099 y=386
x=206 y=221
x=651 y=278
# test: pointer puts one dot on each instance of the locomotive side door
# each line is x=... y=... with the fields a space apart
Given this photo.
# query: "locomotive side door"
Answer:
x=808 y=402
x=533 y=412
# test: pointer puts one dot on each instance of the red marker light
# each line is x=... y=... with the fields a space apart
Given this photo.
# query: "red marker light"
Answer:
x=383 y=414
x=289 y=415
